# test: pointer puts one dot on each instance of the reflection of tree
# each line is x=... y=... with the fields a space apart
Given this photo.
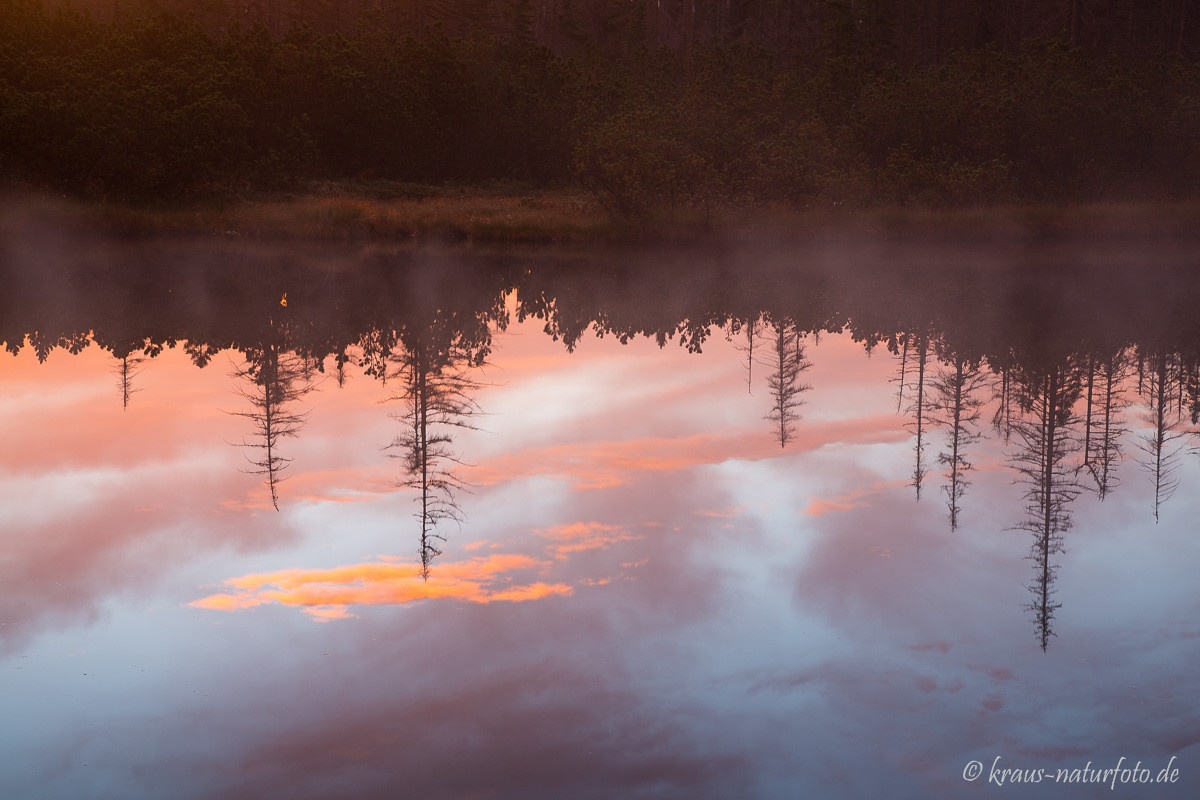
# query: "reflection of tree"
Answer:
x=789 y=360
x=920 y=347
x=274 y=380
x=130 y=360
x=1104 y=419
x=1162 y=446
x=128 y=367
x=436 y=393
x=956 y=405
x=1002 y=418
x=902 y=356
x=753 y=333
x=340 y=360
x=1191 y=387
x=1045 y=429
x=376 y=346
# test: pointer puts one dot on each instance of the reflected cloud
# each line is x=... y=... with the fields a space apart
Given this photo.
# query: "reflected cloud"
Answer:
x=327 y=593
x=576 y=536
x=857 y=498
x=604 y=465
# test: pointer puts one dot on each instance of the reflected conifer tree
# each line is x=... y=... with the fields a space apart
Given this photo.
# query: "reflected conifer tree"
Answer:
x=902 y=357
x=340 y=360
x=919 y=346
x=1191 y=380
x=1002 y=418
x=956 y=404
x=790 y=362
x=1163 y=446
x=273 y=379
x=437 y=400
x=128 y=367
x=752 y=332
x=1046 y=430
x=1104 y=418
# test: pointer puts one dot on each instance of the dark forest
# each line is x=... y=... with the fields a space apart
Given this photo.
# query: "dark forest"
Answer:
x=646 y=104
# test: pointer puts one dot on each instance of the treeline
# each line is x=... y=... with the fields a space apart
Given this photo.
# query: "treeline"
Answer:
x=904 y=32
x=829 y=102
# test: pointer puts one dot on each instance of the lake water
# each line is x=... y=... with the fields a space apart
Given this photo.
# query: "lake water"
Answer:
x=673 y=544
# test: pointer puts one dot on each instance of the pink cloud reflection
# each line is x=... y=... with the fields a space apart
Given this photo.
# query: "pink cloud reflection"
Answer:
x=607 y=464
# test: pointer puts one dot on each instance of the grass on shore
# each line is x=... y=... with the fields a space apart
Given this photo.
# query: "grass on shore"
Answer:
x=522 y=215
x=516 y=217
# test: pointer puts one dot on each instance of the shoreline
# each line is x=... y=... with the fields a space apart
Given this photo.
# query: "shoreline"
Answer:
x=515 y=216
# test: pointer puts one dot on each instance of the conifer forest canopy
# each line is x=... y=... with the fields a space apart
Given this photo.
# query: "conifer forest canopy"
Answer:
x=648 y=104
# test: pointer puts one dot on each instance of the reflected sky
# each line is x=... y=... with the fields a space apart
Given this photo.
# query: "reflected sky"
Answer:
x=647 y=597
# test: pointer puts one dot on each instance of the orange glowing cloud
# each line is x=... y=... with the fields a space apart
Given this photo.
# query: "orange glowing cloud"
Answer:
x=327 y=593
x=577 y=536
x=227 y=602
x=818 y=508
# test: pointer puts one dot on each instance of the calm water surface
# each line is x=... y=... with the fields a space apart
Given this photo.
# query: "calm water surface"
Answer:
x=696 y=525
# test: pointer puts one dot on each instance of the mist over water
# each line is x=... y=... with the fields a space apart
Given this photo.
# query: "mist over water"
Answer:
x=828 y=518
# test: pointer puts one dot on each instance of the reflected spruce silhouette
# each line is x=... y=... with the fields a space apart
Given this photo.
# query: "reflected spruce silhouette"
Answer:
x=752 y=333
x=1105 y=418
x=1046 y=432
x=1162 y=447
x=127 y=367
x=956 y=405
x=918 y=409
x=436 y=388
x=789 y=361
x=272 y=379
